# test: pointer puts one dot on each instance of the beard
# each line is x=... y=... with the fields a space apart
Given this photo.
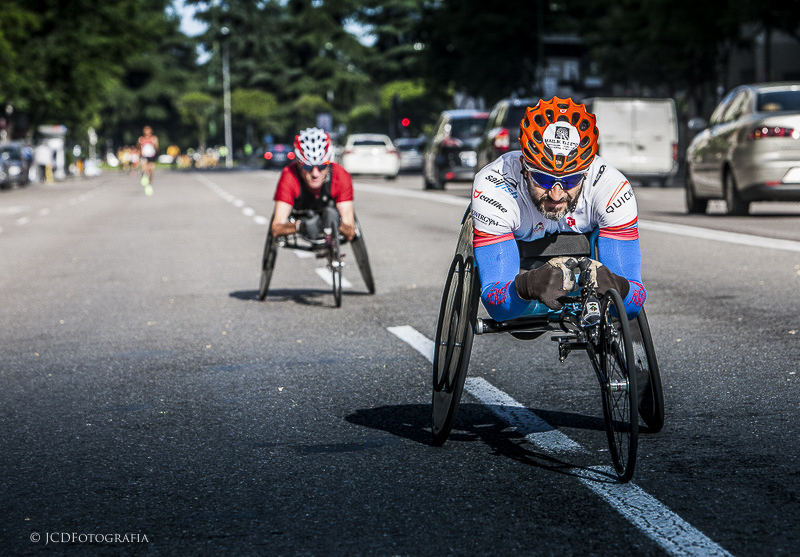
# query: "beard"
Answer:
x=538 y=196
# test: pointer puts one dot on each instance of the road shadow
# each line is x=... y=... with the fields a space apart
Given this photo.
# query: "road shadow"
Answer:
x=302 y=296
x=478 y=423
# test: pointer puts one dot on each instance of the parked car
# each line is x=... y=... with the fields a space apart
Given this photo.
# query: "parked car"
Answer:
x=278 y=155
x=451 y=153
x=502 y=130
x=410 y=150
x=14 y=165
x=750 y=150
x=638 y=136
x=373 y=154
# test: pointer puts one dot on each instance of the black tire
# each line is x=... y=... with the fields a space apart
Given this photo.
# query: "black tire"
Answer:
x=360 y=253
x=453 y=345
x=736 y=205
x=648 y=375
x=694 y=205
x=619 y=393
x=267 y=265
x=438 y=179
x=336 y=270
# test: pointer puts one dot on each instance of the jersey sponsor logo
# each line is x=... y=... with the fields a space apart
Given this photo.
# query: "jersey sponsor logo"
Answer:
x=619 y=197
x=492 y=202
x=498 y=295
x=539 y=227
x=599 y=173
x=503 y=182
x=476 y=194
x=484 y=219
x=570 y=221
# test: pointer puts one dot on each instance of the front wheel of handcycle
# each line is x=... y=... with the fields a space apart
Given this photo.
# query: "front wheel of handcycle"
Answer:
x=619 y=392
x=453 y=344
x=648 y=376
x=360 y=252
x=335 y=261
x=267 y=265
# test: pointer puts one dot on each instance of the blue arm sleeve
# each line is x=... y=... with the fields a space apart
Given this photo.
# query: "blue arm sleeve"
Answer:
x=624 y=258
x=498 y=264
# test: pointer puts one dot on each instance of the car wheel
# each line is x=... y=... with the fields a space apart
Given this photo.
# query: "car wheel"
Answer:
x=694 y=205
x=736 y=205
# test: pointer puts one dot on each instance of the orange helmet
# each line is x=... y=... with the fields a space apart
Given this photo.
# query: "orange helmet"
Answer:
x=558 y=136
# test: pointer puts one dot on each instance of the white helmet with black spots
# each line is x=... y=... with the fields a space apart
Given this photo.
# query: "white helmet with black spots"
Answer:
x=313 y=146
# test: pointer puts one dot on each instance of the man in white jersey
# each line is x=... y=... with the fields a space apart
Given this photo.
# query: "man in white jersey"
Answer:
x=556 y=183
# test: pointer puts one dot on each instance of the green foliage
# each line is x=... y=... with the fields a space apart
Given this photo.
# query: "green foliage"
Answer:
x=195 y=108
x=120 y=64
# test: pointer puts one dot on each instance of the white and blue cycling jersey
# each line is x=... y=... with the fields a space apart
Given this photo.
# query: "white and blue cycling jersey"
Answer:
x=503 y=212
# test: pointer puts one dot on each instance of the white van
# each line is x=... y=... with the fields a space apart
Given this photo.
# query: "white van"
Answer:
x=639 y=136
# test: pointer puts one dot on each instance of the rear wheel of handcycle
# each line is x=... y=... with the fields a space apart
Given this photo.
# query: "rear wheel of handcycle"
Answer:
x=619 y=393
x=360 y=252
x=336 y=270
x=267 y=264
x=648 y=376
x=453 y=344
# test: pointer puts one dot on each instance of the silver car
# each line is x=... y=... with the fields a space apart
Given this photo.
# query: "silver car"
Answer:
x=750 y=150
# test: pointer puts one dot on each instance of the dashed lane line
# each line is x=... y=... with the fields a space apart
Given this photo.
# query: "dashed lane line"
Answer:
x=676 y=536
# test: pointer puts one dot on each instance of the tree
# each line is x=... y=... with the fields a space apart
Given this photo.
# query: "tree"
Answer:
x=196 y=108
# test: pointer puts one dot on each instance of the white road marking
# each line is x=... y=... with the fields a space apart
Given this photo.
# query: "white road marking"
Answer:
x=720 y=235
x=326 y=275
x=676 y=536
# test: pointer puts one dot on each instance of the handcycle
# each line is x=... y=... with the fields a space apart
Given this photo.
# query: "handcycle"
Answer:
x=328 y=248
x=621 y=351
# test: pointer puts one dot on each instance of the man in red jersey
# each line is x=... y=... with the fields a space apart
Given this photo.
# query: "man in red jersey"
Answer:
x=314 y=193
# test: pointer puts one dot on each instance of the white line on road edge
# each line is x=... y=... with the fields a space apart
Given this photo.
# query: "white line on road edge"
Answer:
x=657 y=226
x=397 y=192
x=720 y=235
x=675 y=535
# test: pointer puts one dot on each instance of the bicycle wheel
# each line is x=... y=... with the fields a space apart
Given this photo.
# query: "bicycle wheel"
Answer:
x=267 y=264
x=619 y=393
x=334 y=257
x=360 y=252
x=453 y=344
x=648 y=376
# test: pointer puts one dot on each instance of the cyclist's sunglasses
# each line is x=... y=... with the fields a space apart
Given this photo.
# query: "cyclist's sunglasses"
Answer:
x=311 y=167
x=548 y=181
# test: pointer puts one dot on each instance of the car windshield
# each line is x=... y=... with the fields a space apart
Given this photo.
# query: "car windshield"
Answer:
x=466 y=128
x=515 y=115
x=778 y=100
x=9 y=152
x=369 y=143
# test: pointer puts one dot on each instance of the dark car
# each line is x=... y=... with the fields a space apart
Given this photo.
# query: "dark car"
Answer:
x=278 y=155
x=14 y=165
x=410 y=150
x=450 y=154
x=749 y=151
x=502 y=129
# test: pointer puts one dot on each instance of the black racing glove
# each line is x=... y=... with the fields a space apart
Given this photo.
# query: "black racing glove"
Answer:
x=548 y=282
x=605 y=280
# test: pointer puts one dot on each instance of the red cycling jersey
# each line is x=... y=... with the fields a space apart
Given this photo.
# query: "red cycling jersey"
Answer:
x=289 y=190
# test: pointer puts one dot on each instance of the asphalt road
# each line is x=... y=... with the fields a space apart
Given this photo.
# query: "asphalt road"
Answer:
x=150 y=405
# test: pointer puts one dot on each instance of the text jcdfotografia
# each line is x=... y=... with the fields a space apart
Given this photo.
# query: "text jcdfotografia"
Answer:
x=73 y=537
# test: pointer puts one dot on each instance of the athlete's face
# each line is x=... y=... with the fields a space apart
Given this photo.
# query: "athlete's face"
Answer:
x=315 y=176
x=555 y=202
